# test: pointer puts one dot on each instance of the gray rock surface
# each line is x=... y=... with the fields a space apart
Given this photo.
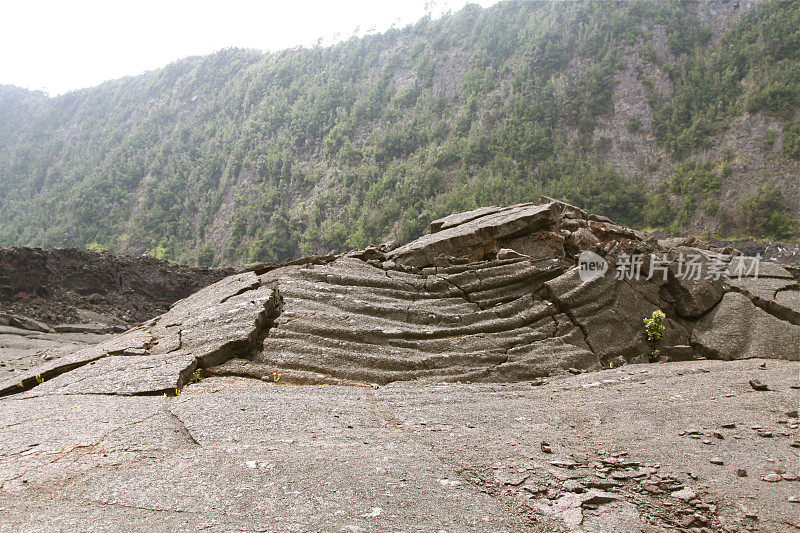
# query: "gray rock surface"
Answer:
x=609 y=313
x=237 y=454
x=478 y=235
x=738 y=329
x=470 y=322
x=695 y=293
x=213 y=325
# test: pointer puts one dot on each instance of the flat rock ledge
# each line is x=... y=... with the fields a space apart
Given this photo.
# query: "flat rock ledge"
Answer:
x=492 y=295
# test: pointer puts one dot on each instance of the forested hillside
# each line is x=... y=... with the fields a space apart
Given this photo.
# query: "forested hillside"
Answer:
x=673 y=115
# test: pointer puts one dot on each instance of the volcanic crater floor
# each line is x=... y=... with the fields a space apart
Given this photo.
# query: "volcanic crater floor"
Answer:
x=682 y=446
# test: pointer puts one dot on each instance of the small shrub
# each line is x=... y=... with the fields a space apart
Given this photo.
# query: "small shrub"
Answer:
x=764 y=215
x=791 y=140
x=713 y=208
x=769 y=139
x=654 y=326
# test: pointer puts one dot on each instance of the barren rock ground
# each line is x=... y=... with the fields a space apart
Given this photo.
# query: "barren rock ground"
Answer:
x=631 y=451
x=473 y=380
x=22 y=349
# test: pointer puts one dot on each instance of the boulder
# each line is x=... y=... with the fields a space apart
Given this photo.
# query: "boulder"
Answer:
x=695 y=280
x=581 y=239
x=476 y=236
x=738 y=329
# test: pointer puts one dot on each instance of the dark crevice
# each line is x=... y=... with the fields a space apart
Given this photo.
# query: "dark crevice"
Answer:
x=263 y=268
x=243 y=349
x=464 y=293
x=182 y=427
x=255 y=285
x=572 y=318
x=269 y=322
x=772 y=307
x=30 y=382
x=792 y=287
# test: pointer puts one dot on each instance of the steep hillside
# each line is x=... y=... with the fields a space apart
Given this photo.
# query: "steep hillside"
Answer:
x=672 y=115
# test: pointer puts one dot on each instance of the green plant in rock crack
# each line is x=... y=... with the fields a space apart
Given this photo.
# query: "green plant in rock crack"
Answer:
x=654 y=327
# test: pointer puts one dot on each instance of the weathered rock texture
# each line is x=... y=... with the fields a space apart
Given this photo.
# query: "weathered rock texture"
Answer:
x=490 y=295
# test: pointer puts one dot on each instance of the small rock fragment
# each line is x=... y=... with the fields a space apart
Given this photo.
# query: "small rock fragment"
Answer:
x=598 y=497
x=741 y=472
x=374 y=513
x=573 y=485
x=546 y=447
x=563 y=464
x=716 y=461
x=772 y=478
x=685 y=494
x=757 y=385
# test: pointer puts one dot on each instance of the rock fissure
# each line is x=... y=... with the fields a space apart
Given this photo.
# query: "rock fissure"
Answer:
x=29 y=382
x=181 y=426
x=572 y=318
x=460 y=289
x=256 y=284
x=771 y=306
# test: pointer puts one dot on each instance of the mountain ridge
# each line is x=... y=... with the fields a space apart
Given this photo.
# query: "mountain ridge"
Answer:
x=242 y=156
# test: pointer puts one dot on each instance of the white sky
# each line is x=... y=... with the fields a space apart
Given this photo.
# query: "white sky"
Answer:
x=57 y=46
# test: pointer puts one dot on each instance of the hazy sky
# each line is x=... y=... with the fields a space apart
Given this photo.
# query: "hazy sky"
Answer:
x=57 y=46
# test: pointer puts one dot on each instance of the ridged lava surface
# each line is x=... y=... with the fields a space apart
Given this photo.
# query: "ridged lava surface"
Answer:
x=490 y=295
x=475 y=321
